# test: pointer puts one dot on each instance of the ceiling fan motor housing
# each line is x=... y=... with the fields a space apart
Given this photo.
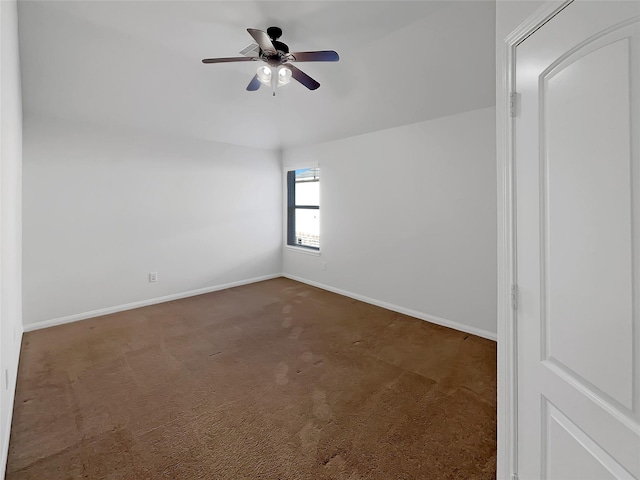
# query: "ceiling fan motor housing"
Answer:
x=274 y=32
x=282 y=48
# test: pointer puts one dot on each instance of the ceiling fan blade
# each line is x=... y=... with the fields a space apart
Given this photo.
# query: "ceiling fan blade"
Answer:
x=302 y=77
x=229 y=59
x=254 y=84
x=251 y=50
x=263 y=40
x=320 y=56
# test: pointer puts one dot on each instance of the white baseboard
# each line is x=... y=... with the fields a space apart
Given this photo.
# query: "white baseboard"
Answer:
x=13 y=376
x=396 y=308
x=143 y=303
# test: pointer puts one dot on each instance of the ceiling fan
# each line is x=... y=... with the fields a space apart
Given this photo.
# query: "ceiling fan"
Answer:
x=278 y=70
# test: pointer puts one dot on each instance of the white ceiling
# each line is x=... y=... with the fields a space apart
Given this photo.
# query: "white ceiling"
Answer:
x=137 y=64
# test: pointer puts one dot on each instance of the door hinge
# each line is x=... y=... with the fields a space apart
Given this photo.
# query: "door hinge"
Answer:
x=514 y=296
x=513 y=103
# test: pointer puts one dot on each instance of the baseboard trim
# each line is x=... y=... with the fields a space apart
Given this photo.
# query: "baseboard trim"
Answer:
x=13 y=375
x=167 y=298
x=396 y=308
x=143 y=303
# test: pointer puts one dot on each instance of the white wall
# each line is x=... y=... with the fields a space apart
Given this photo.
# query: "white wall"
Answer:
x=408 y=219
x=104 y=207
x=10 y=215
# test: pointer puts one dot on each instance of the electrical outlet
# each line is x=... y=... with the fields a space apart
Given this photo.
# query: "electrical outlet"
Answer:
x=153 y=277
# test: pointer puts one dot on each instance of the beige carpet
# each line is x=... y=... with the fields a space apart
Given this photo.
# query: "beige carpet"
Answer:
x=274 y=380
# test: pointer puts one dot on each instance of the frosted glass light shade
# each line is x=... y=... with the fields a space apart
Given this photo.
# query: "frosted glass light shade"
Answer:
x=284 y=75
x=264 y=74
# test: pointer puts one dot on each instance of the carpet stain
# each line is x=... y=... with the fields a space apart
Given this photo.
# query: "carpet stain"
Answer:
x=321 y=409
x=281 y=373
x=286 y=323
x=295 y=333
x=335 y=461
x=310 y=437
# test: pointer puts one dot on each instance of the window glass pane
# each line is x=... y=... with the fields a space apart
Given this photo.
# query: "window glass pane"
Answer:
x=308 y=227
x=308 y=174
x=303 y=224
x=307 y=193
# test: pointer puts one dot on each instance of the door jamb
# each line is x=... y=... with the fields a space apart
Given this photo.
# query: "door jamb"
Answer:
x=507 y=458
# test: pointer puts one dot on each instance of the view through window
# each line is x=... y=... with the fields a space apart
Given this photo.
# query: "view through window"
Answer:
x=303 y=208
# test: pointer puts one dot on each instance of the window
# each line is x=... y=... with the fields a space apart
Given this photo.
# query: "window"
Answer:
x=303 y=208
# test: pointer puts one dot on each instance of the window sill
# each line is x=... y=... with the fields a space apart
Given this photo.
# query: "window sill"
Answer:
x=306 y=251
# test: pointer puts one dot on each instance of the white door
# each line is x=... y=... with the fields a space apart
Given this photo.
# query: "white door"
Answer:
x=577 y=190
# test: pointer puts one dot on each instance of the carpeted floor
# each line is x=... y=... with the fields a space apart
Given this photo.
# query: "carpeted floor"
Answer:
x=274 y=380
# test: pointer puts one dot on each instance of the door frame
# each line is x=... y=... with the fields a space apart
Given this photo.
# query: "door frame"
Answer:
x=507 y=432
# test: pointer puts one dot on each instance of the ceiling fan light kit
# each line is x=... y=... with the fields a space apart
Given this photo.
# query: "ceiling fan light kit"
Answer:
x=278 y=70
x=268 y=74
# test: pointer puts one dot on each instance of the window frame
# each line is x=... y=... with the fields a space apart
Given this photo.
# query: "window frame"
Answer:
x=290 y=210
